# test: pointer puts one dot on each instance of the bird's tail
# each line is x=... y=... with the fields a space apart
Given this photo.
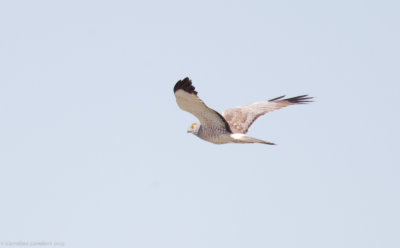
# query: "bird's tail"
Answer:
x=241 y=138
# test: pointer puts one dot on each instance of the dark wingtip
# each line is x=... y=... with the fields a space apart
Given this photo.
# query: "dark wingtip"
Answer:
x=186 y=85
x=300 y=99
x=297 y=99
x=277 y=98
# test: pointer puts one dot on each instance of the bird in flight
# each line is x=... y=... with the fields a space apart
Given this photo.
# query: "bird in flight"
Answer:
x=233 y=124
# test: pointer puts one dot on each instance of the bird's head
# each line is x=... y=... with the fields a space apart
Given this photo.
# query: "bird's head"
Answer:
x=194 y=128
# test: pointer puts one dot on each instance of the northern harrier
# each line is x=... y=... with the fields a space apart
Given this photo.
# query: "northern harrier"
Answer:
x=234 y=123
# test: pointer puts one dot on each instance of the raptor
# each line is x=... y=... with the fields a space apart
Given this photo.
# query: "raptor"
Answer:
x=233 y=124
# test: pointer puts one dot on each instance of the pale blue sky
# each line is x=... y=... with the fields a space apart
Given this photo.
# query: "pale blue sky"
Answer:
x=94 y=150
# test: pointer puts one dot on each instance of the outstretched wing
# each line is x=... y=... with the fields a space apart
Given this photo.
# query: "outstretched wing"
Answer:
x=187 y=99
x=240 y=118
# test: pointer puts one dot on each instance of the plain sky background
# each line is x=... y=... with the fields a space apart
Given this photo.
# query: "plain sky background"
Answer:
x=94 y=150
